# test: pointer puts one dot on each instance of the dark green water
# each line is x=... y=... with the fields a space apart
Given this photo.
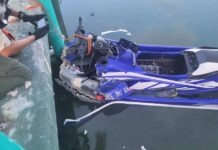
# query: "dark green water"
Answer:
x=169 y=22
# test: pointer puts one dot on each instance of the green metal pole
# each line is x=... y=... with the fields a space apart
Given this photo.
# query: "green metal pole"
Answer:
x=55 y=35
x=56 y=5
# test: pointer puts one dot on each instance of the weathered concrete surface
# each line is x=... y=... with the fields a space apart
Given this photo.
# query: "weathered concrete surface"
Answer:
x=29 y=117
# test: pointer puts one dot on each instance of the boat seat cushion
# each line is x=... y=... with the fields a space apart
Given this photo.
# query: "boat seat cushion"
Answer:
x=207 y=61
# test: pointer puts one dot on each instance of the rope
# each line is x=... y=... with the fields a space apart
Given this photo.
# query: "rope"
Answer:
x=89 y=41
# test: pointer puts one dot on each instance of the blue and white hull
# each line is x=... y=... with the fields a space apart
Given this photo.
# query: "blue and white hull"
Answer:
x=100 y=70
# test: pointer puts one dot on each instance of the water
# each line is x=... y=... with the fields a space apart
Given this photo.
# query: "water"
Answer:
x=181 y=22
x=168 y=22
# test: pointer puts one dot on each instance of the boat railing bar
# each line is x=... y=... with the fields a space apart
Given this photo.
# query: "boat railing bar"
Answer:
x=92 y=113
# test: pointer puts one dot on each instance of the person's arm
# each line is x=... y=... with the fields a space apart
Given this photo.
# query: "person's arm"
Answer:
x=17 y=46
x=11 y=12
x=23 y=16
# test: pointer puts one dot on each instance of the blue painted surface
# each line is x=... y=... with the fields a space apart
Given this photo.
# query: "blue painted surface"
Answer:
x=8 y=144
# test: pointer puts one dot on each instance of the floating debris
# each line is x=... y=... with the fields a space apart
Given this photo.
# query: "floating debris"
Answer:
x=115 y=31
x=85 y=132
x=143 y=147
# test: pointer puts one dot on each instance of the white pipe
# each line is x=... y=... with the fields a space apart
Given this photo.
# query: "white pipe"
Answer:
x=203 y=107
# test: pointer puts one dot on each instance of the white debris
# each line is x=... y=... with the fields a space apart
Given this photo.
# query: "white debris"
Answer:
x=143 y=147
x=13 y=93
x=27 y=84
x=85 y=132
x=124 y=147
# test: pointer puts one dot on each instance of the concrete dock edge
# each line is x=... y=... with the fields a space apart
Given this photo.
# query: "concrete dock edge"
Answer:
x=29 y=116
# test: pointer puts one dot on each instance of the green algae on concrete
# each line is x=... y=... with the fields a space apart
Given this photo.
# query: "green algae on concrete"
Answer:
x=28 y=115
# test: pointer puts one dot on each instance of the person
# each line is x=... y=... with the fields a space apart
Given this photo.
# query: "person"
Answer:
x=12 y=72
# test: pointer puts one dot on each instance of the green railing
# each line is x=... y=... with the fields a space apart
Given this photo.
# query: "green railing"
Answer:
x=56 y=38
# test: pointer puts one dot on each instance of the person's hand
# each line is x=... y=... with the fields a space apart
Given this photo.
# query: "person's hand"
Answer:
x=39 y=33
x=12 y=19
x=31 y=18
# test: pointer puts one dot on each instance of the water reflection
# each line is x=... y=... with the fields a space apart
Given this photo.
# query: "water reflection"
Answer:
x=84 y=140
x=100 y=143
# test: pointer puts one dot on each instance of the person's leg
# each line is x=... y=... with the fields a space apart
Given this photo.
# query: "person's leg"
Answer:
x=12 y=74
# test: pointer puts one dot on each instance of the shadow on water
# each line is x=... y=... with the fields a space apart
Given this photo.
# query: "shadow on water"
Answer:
x=100 y=141
x=62 y=102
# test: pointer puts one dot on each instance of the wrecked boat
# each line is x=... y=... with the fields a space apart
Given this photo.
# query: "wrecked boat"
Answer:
x=100 y=70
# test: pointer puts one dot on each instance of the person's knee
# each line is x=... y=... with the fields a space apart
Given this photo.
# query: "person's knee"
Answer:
x=26 y=74
x=22 y=71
